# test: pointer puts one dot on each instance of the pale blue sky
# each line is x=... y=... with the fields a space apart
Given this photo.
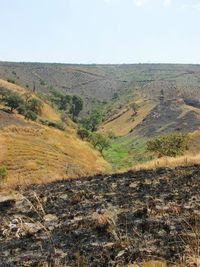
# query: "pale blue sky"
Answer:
x=100 y=31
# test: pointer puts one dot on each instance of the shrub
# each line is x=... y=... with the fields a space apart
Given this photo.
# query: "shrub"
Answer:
x=35 y=105
x=22 y=109
x=10 y=80
x=4 y=92
x=3 y=172
x=58 y=125
x=13 y=101
x=43 y=83
x=83 y=133
x=30 y=115
x=171 y=145
x=111 y=135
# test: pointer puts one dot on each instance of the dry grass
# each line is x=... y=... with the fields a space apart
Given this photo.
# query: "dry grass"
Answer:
x=12 y=87
x=47 y=111
x=42 y=154
x=126 y=122
x=168 y=162
x=152 y=263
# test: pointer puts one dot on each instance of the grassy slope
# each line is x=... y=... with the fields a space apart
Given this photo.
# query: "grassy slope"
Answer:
x=42 y=154
x=47 y=111
x=123 y=124
x=35 y=153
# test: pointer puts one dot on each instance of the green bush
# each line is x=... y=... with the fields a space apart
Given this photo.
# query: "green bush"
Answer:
x=10 y=80
x=171 y=145
x=3 y=172
x=83 y=133
x=22 y=109
x=30 y=115
x=35 y=105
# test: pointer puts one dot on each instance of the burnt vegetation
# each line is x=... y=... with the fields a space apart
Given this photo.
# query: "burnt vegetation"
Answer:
x=110 y=220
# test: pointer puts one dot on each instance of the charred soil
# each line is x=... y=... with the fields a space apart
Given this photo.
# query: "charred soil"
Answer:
x=104 y=220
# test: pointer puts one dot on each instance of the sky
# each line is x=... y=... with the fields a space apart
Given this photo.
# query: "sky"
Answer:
x=100 y=31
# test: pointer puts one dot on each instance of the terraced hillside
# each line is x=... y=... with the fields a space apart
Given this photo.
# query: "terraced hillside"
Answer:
x=110 y=220
x=37 y=154
x=32 y=152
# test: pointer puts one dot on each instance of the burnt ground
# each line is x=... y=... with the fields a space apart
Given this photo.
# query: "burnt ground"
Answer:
x=167 y=118
x=109 y=220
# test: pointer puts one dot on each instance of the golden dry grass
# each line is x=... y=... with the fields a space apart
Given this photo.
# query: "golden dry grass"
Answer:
x=12 y=87
x=126 y=122
x=152 y=263
x=47 y=111
x=42 y=154
x=169 y=162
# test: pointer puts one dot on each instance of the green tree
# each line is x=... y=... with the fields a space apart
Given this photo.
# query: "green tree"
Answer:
x=77 y=106
x=171 y=145
x=99 y=141
x=35 y=105
x=93 y=121
x=65 y=102
x=13 y=101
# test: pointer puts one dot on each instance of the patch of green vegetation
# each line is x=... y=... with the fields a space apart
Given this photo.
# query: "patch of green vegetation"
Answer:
x=3 y=173
x=172 y=145
x=126 y=152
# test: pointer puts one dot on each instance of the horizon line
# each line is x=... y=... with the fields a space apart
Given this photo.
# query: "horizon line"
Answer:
x=109 y=64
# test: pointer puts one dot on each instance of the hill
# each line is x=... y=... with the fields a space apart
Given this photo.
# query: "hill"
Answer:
x=136 y=102
x=102 y=82
x=109 y=220
x=33 y=152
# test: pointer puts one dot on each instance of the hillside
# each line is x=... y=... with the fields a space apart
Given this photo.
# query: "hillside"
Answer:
x=166 y=97
x=102 y=82
x=105 y=220
x=32 y=152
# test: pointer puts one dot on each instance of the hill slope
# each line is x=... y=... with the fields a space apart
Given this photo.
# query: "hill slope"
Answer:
x=167 y=98
x=33 y=153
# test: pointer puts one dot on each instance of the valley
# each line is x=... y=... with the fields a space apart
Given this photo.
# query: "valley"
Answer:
x=99 y=165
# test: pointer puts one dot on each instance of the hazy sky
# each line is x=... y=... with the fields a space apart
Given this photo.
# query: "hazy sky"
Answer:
x=100 y=31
